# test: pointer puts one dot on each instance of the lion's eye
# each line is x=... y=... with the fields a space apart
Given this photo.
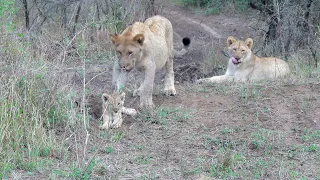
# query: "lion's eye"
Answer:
x=235 y=49
x=242 y=51
x=129 y=52
x=119 y=52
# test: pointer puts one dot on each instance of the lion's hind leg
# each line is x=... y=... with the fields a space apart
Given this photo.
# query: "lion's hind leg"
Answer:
x=169 y=89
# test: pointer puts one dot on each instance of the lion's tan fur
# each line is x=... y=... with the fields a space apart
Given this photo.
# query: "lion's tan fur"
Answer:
x=250 y=67
x=147 y=47
x=112 y=109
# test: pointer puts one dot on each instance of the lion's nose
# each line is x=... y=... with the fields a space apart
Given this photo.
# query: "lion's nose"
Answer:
x=237 y=58
x=122 y=65
x=126 y=66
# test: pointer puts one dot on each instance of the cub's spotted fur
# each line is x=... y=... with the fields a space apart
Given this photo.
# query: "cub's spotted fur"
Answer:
x=112 y=106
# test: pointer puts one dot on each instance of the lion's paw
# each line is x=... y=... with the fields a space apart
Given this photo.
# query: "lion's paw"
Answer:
x=170 y=92
x=201 y=81
x=146 y=105
x=132 y=112
x=104 y=127
x=116 y=125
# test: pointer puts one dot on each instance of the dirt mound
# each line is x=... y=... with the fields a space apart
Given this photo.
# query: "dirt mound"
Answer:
x=189 y=72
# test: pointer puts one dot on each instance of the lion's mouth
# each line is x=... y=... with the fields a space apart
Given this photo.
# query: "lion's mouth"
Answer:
x=127 y=69
x=235 y=60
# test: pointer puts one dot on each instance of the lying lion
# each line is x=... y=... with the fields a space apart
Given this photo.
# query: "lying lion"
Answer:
x=147 y=47
x=245 y=66
x=112 y=109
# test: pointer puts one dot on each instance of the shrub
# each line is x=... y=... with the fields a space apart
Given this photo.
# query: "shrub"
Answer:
x=215 y=6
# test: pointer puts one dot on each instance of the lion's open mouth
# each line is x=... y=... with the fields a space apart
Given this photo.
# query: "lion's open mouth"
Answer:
x=235 y=61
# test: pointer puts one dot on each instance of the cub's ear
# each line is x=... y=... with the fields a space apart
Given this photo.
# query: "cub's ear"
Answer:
x=114 y=38
x=139 y=38
x=230 y=40
x=249 y=43
x=105 y=97
x=122 y=96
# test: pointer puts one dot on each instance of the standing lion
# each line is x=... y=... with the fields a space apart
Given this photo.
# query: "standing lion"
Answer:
x=147 y=47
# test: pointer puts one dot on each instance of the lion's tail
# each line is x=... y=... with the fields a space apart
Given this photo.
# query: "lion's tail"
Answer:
x=186 y=42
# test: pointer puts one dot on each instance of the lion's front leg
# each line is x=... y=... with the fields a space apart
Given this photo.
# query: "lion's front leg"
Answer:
x=217 y=79
x=169 y=89
x=117 y=120
x=106 y=120
x=147 y=87
x=129 y=111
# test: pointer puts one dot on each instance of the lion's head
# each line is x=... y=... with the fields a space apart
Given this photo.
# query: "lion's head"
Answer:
x=129 y=49
x=239 y=50
x=113 y=102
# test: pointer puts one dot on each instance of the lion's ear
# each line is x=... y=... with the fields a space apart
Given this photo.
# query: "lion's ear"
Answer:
x=114 y=38
x=139 y=38
x=230 y=40
x=105 y=97
x=249 y=43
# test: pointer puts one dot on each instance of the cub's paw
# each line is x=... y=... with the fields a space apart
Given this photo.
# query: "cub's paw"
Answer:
x=116 y=125
x=132 y=112
x=129 y=111
x=104 y=127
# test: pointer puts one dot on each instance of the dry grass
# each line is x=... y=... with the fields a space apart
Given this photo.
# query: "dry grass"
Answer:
x=39 y=118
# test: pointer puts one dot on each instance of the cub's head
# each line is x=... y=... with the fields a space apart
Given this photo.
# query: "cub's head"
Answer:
x=113 y=102
x=129 y=48
x=239 y=51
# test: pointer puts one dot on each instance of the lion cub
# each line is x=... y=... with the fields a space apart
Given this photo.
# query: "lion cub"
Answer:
x=112 y=109
x=245 y=66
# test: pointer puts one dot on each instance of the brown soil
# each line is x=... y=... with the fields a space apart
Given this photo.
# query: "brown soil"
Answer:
x=170 y=148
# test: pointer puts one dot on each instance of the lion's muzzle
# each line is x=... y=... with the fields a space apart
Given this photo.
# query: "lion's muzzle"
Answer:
x=235 y=60
x=126 y=66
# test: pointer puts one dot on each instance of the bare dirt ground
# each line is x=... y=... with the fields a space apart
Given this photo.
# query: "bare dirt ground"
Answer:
x=267 y=130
